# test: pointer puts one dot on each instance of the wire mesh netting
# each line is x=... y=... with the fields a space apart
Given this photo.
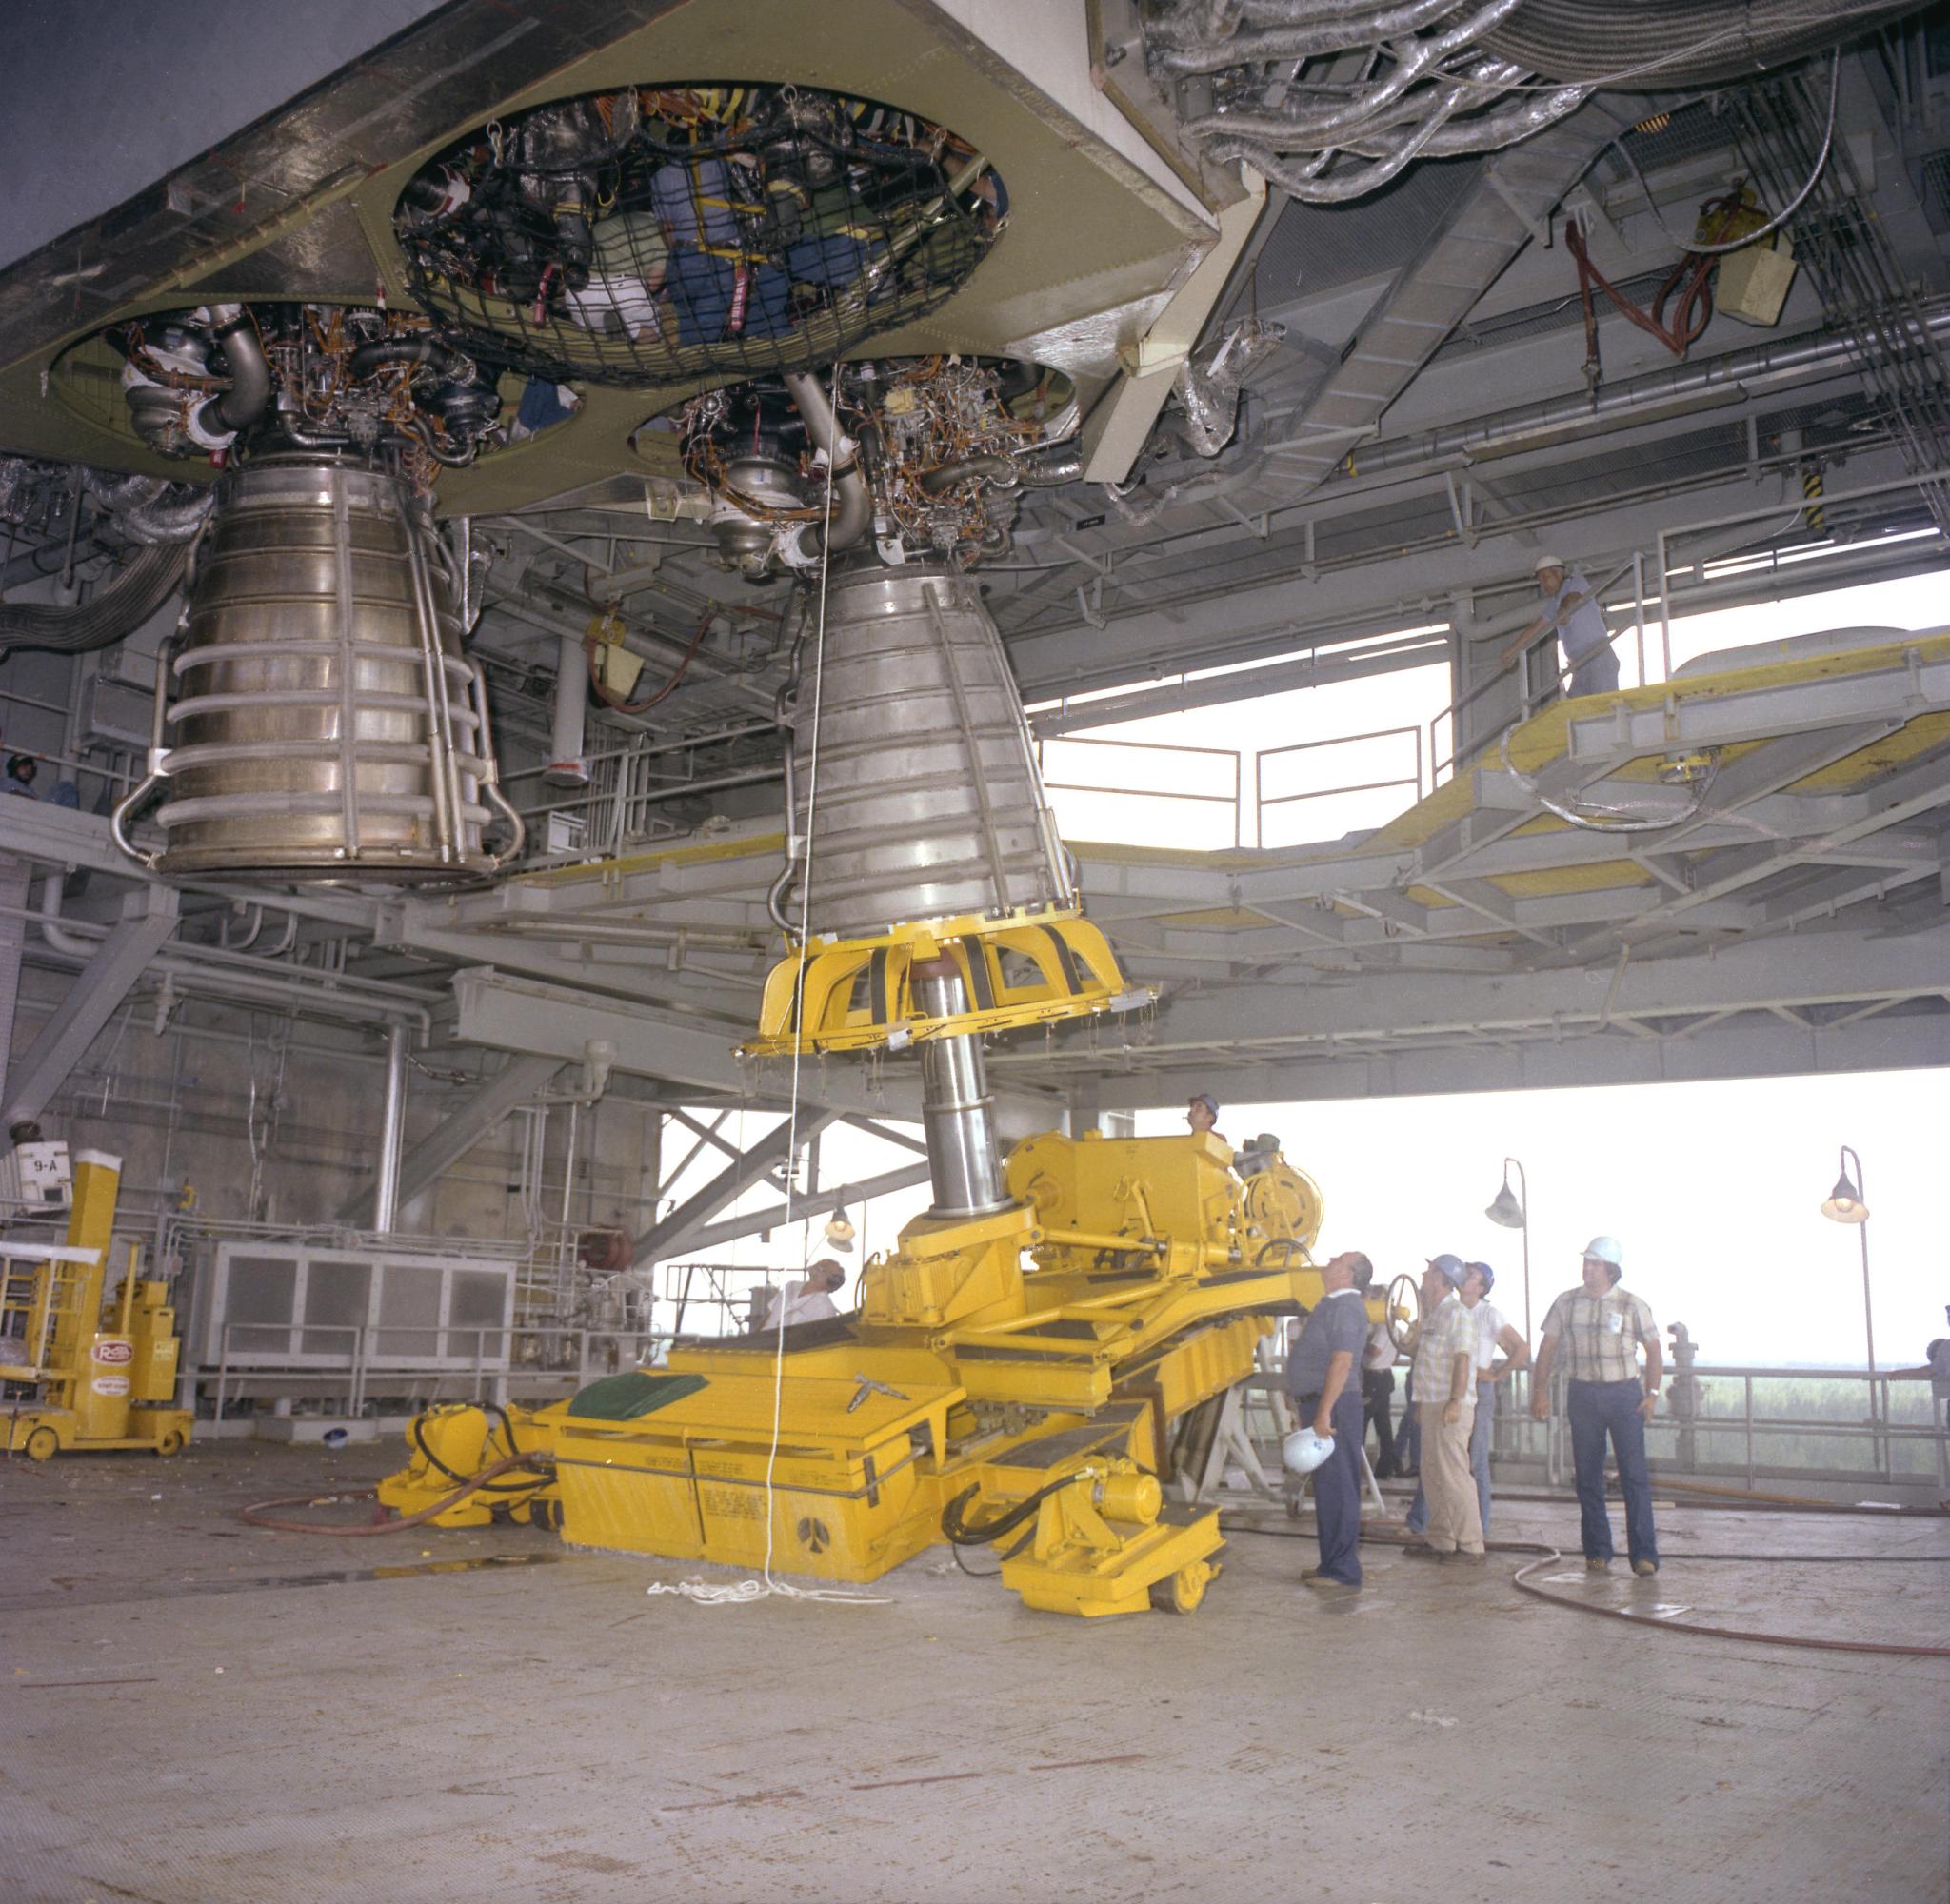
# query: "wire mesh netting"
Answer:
x=661 y=233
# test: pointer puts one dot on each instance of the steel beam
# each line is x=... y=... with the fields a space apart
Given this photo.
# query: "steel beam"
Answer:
x=148 y=917
x=699 y=1053
x=820 y=1205
x=682 y=1228
x=475 y=1118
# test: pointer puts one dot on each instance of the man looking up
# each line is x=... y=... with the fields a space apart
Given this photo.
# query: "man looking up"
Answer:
x=1326 y=1398
x=1445 y=1372
x=1603 y=1328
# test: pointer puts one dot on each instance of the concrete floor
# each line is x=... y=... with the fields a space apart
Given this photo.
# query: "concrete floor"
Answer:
x=197 y=1713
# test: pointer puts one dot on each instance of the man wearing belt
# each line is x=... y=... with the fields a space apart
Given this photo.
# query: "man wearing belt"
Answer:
x=1492 y=1334
x=1326 y=1398
x=1603 y=1328
x=1444 y=1376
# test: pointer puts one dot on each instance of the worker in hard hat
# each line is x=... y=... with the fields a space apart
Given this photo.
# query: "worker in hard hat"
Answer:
x=1602 y=1328
x=1201 y=1114
x=1326 y=1397
x=1498 y=1349
x=810 y=1301
x=1444 y=1377
x=1568 y=608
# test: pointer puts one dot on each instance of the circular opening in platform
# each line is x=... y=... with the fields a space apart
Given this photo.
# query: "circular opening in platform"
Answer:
x=663 y=233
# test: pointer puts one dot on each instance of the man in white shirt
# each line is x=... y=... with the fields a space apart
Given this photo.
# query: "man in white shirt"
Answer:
x=1377 y=1398
x=808 y=1301
x=1579 y=625
x=1492 y=1334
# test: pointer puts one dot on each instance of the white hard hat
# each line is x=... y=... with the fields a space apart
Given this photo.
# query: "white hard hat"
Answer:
x=1544 y=562
x=1304 y=1451
x=1607 y=1249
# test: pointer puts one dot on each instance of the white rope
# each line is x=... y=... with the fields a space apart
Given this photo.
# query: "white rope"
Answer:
x=745 y=1591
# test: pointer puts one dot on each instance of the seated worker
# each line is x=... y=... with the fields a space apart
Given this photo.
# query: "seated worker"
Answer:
x=1201 y=1114
x=808 y=1301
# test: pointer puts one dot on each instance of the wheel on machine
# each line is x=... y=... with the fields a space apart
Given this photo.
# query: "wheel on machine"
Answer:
x=172 y=1441
x=1403 y=1307
x=1183 y=1592
x=40 y=1443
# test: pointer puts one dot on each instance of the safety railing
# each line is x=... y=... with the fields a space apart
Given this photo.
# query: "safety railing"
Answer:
x=376 y=1363
x=1222 y=806
x=628 y=786
x=1149 y=811
x=1264 y=801
x=1747 y=1426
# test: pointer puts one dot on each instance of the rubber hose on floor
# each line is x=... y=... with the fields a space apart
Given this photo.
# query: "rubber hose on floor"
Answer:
x=258 y=1515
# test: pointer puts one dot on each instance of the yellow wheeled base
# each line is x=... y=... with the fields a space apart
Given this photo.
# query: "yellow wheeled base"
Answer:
x=38 y=1432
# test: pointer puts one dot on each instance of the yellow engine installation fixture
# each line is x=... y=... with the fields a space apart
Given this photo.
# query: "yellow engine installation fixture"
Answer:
x=103 y=1368
x=1039 y=1408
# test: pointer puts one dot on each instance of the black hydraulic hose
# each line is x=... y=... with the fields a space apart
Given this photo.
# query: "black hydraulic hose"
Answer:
x=959 y=1533
x=419 y=1442
x=111 y=614
x=1549 y=1556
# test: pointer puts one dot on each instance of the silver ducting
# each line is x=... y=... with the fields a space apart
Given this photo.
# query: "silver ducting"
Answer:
x=1441 y=78
x=915 y=781
x=315 y=717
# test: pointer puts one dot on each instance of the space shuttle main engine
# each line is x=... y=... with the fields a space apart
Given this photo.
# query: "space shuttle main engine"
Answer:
x=315 y=717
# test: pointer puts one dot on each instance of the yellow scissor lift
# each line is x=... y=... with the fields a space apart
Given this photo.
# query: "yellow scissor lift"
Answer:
x=102 y=1372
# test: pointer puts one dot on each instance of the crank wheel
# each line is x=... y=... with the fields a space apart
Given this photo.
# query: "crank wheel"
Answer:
x=1404 y=1308
x=1183 y=1592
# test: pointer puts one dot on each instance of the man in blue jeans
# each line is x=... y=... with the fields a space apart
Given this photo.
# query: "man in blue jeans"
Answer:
x=1602 y=1328
x=1326 y=1389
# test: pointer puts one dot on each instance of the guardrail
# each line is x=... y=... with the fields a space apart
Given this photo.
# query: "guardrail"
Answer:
x=1725 y=1422
x=502 y=1353
x=1236 y=816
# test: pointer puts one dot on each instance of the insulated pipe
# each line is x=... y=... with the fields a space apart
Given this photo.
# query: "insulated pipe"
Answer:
x=1616 y=404
x=108 y=616
x=856 y=505
x=249 y=393
x=957 y=1113
x=385 y=1194
x=371 y=357
x=568 y=765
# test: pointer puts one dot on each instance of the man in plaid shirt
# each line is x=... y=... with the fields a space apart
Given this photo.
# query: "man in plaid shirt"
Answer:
x=1602 y=1328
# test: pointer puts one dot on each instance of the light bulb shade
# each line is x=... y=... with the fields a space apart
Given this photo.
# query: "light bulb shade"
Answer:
x=1844 y=1204
x=840 y=1233
x=1507 y=1211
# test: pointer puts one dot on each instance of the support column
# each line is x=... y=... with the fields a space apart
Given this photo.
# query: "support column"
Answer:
x=957 y=1113
x=386 y=1194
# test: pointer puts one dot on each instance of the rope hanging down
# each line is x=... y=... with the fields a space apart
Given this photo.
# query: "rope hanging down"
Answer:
x=744 y=1593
